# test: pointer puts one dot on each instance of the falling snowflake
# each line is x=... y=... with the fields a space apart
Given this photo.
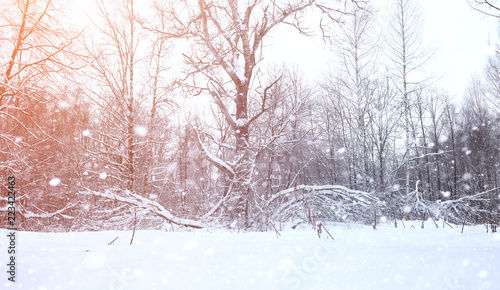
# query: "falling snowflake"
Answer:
x=341 y=150
x=103 y=175
x=140 y=130
x=86 y=133
x=443 y=138
x=63 y=105
x=446 y=193
x=483 y=274
x=54 y=181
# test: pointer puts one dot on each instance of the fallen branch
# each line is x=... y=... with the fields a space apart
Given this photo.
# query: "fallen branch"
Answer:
x=29 y=214
x=277 y=232
x=154 y=207
x=113 y=241
x=327 y=231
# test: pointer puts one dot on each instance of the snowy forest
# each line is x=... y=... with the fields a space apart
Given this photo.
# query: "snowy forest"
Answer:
x=169 y=115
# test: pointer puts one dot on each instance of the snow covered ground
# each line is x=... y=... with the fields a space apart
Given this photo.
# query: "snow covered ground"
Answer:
x=358 y=258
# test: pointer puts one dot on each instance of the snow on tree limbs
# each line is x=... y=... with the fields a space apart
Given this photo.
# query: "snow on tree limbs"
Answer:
x=230 y=34
x=154 y=207
x=323 y=200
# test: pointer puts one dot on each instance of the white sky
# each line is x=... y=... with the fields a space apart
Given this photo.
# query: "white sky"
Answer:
x=459 y=34
x=465 y=39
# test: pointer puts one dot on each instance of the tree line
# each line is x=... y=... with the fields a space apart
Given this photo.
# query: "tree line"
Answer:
x=167 y=112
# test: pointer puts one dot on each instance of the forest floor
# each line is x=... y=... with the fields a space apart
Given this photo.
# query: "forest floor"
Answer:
x=358 y=258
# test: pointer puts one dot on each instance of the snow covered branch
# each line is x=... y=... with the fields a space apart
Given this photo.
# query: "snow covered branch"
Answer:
x=466 y=207
x=29 y=214
x=326 y=201
x=338 y=189
x=154 y=207
x=217 y=162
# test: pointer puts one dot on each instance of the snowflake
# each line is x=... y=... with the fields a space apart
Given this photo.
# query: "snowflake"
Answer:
x=54 y=181
x=140 y=130
x=443 y=138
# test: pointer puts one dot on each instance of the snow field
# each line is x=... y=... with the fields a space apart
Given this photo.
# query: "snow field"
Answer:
x=358 y=258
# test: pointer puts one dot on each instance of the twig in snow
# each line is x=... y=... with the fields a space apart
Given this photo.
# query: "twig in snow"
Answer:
x=328 y=232
x=113 y=241
x=276 y=230
x=133 y=233
x=435 y=223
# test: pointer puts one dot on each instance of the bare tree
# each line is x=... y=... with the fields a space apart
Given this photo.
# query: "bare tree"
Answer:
x=479 y=127
x=384 y=119
x=451 y=115
x=35 y=51
x=112 y=63
x=37 y=58
x=227 y=42
x=407 y=55
x=356 y=86
x=284 y=136
x=493 y=79
x=436 y=112
x=488 y=7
